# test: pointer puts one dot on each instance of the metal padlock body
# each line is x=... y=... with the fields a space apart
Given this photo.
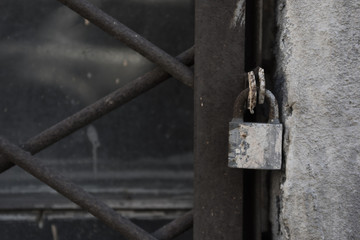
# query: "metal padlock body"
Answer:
x=255 y=145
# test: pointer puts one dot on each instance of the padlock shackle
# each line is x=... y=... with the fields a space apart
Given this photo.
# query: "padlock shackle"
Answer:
x=239 y=104
x=270 y=99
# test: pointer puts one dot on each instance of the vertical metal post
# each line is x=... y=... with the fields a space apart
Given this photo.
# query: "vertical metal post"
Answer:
x=259 y=42
x=219 y=78
x=254 y=33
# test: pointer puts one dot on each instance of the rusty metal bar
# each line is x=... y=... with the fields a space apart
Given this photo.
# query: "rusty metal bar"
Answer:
x=175 y=227
x=73 y=192
x=97 y=109
x=131 y=39
x=239 y=109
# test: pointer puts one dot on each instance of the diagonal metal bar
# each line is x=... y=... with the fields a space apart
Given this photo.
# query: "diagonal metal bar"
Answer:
x=131 y=39
x=73 y=192
x=97 y=109
x=175 y=227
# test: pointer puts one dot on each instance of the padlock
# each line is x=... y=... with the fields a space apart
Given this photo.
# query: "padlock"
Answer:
x=255 y=145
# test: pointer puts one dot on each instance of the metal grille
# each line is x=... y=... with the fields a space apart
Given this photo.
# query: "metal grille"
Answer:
x=22 y=155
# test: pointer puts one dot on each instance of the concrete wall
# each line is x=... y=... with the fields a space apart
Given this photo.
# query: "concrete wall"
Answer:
x=318 y=77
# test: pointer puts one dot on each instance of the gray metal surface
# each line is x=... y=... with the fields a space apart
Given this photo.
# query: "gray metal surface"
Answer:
x=255 y=145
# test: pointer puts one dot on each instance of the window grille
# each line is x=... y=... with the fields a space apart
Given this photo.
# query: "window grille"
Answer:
x=167 y=66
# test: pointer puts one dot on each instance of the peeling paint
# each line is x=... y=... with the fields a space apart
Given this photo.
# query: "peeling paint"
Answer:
x=239 y=14
x=254 y=146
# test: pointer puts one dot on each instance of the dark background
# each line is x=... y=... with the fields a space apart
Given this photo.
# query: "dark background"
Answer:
x=54 y=63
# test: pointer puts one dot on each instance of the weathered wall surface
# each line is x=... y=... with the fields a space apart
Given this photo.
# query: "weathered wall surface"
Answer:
x=318 y=73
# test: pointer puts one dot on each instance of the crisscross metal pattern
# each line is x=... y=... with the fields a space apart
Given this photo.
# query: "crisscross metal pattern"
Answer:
x=22 y=155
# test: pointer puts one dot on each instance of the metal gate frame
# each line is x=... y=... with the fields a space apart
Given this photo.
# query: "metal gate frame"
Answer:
x=219 y=71
x=219 y=78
